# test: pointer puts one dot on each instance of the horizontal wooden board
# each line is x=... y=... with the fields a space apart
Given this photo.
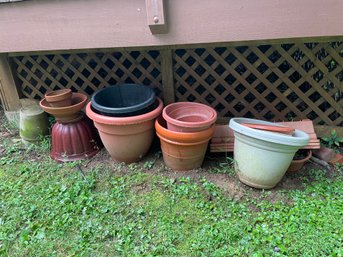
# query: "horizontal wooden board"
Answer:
x=42 y=25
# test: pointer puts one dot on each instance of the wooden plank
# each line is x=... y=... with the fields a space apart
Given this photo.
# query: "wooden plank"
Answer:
x=8 y=91
x=93 y=24
x=167 y=76
x=156 y=16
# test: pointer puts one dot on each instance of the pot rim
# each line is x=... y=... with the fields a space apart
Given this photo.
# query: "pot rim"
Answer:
x=298 y=138
x=308 y=156
x=108 y=120
x=183 y=137
x=122 y=110
x=178 y=105
x=66 y=109
x=58 y=95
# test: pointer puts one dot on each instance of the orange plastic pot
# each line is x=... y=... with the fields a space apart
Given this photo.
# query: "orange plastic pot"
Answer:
x=127 y=139
x=183 y=151
x=189 y=116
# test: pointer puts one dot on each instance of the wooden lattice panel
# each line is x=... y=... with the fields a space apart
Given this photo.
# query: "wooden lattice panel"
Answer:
x=87 y=72
x=271 y=82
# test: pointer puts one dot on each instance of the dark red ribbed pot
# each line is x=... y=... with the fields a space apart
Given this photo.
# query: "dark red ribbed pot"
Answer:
x=75 y=140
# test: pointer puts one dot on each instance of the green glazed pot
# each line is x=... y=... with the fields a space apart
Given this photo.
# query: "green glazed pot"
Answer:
x=33 y=124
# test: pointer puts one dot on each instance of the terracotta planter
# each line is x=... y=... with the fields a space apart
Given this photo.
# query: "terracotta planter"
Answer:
x=59 y=98
x=127 y=139
x=183 y=151
x=271 y=128
x=75 y=140
x=298 y=164
x=64 y=114
x=189 y=116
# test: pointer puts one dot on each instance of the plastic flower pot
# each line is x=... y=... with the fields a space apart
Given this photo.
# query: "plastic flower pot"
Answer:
x=123 y=100
x=261 y=157
x=75 y=140
x=33 y=124
x=189 y=116
x=59 y=98
x=127 y=139
x=298 y=163
x=183 y=151
x=64 y=114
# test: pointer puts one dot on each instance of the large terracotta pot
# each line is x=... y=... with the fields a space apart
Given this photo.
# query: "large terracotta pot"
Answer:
x=189 y=116
x=127 y=139
x=183 y=151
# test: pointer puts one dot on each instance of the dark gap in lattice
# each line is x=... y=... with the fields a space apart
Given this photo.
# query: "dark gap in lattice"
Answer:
x=241 y=49
x=63 y=81
x=280 y=106
x=259 y=107
x=328 y=86
x=69 y=73
x=127 y=64
x=249 y=115
x=134 y=54
x=286 y=47
x=23 y=73
x=129 y=80
x=155 y=73
x=292 y=97
x=89 y=90
x=39 y=73
x=290 y=115
x=240 y=88
x=335 y=44
x=95 y=82
x=308 y=65
x=318 y=76
x=230 y=59
x=220 y=69
x=298 y=55
x=157 y=91
x=200 y=70
x=241 y=69
x=302 y=106
x=137 y=73
x=335 y=115
x=190 y=80
x=210 y=79
x=117 y=55
x=331 y=65
x=190 y=61
x=145 y=63
x=79 y=82
x=229 y=98
x=109 y=64
x=112 y=81
x=191 y=98
x=28 y=65
x=269 y=115
x=264 y=48
x=311 y=45
x=154 y=54
x=200 y=89
x=251 y=78
x=295 y=76
x=182 y=90
x=274 y=56
x=210 y=98
x=252 y=58
x=43 y=90
x=220 y=50
x=219 y=107
x=199 y=51
x=304 y=87
x=272 y=77
x=324 y=106
x=48 y=82
x=249 y=97
x=339 y=75
x=260 y=88
x=33 y=82
x=220 y=89
x=315 y=96
x=239 y=107
x=322 y=54
x=210 y=60
x=147 y=82
x=271 y=97
x=312 y=115
x=284 y=67
x=262 y=68
x=228 y=114
x=180 y=71
x=120 y=73
x=230 y=79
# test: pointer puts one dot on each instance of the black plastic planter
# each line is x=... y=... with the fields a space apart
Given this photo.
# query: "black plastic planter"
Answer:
x=123 y=100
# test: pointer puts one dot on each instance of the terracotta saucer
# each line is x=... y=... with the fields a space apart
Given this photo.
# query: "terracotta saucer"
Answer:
x=277 y=129
x=67 y=113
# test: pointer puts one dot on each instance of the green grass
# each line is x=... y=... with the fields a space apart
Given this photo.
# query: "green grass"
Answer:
x=51 y=209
